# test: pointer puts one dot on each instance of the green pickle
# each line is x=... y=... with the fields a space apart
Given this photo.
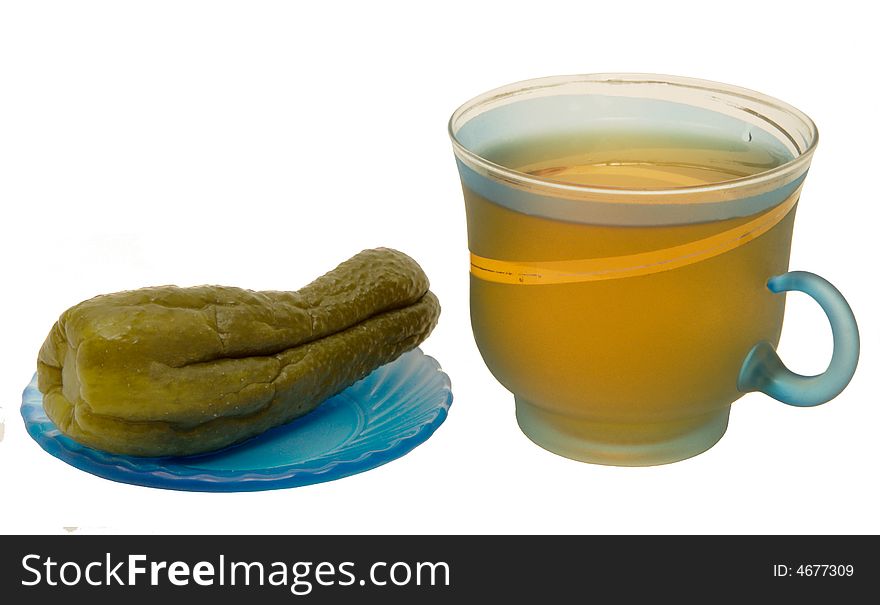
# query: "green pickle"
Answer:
x=169 y=371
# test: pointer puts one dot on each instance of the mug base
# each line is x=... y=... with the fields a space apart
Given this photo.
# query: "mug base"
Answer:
x=643 y=444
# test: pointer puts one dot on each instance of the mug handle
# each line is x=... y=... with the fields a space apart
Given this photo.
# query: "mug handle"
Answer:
x=763 y=371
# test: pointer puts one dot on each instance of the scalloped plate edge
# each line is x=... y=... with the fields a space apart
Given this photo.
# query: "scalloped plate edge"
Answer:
x=39 y=429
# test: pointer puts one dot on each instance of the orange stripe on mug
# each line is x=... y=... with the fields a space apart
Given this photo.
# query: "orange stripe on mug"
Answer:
x=631 y=265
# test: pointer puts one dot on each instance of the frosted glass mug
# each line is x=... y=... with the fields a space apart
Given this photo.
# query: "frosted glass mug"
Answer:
x=626 y=321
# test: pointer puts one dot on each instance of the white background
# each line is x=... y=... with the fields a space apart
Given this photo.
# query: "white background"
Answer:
x=260 y=143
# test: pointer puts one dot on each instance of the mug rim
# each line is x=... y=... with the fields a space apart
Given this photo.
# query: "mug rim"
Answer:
x=796 y=165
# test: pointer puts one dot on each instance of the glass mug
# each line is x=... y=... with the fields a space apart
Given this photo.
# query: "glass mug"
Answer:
x=630 y=237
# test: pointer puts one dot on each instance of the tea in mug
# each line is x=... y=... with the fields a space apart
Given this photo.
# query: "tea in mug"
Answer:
x=558 y=304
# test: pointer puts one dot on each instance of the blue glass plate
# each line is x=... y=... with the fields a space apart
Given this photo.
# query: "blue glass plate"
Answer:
x=372 y=422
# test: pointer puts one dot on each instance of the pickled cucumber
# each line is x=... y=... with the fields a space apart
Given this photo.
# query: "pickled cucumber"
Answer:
x=168 y=371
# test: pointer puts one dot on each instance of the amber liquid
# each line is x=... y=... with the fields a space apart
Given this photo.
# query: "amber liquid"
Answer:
x=660 y=347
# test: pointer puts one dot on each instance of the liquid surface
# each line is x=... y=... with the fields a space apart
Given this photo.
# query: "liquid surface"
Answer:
x=641 y=357
x=627 y=160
